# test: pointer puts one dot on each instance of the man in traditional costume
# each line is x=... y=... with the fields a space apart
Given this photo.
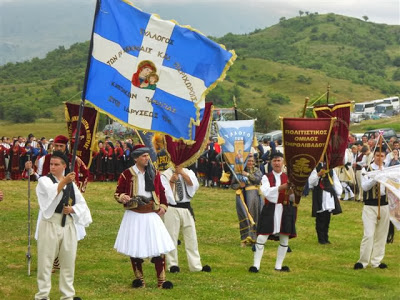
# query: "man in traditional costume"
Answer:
x=142 y=233
x=54 y=239
x=43 y=169
x=278 y=216
x=372 y=249
x=180 y=186
x=248 y=201
x=327 y=190
x=43 y=164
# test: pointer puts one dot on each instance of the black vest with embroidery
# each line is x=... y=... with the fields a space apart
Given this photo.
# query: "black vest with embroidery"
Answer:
x=371 y=196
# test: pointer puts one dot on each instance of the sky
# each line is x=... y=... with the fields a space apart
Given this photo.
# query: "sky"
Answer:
x=219 y=17
x=32 y=28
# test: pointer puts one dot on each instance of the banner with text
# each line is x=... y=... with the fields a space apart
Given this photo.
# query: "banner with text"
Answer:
x=150 y=73
x=87 y=131
x=238 y=139
x=305 y=142
x=340 y=130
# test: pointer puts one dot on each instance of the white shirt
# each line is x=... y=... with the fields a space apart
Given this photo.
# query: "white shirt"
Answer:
x=190 y=190
x=367 y=183
x=141 y=183
x=271 y=193
x=328 y=201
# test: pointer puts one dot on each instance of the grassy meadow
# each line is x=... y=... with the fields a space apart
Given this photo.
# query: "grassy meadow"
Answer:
x=317 y=271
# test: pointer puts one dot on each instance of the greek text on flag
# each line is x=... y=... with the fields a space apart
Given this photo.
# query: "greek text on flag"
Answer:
x=149 y=73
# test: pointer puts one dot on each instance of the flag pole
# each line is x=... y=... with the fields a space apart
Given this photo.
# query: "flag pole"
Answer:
x=28 y=254
x=81 y=107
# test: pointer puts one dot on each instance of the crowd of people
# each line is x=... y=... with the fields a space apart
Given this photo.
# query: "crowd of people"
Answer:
x=264 y=202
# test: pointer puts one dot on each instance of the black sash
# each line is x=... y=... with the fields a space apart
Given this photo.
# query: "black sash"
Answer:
x=66 y=193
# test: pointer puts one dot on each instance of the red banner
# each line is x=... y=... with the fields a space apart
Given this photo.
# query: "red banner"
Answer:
x=340 y=131
x=87 y=131
x=185 y=155
x=305 y=142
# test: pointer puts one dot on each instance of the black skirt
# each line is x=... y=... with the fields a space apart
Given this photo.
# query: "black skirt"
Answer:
x=288 y=222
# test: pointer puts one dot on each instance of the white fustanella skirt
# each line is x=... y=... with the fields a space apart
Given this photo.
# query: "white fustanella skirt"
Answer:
x=143 y=235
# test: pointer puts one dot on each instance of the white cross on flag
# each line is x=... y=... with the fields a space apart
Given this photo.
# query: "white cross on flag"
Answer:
x=149 y=73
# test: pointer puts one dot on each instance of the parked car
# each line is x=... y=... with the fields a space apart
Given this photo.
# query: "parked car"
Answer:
x=387 y=133
x=272 y=136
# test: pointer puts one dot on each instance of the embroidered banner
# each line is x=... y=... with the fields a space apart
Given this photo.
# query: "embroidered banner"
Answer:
x=237 y=141
x=340 y=131
x=305 y=142
x=155 y=141
x=183 y=154
x=87 y=131
x=150 y=73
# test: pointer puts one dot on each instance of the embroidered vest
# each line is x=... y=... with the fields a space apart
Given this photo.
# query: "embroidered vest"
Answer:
x=272 y=183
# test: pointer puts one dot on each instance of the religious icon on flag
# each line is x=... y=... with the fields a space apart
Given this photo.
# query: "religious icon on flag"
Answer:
x=149 y=73
x=238 y=139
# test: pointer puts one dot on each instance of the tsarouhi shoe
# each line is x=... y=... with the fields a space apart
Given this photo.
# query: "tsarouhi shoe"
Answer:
x=382 y=266
x=253 y=269
x=137 y=283
x=174 y=269
x=206 y=268
x=167 y=285
x=283 y=269
x=358 y=266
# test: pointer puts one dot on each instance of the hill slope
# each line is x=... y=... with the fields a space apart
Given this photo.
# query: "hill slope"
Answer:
x=277 y=68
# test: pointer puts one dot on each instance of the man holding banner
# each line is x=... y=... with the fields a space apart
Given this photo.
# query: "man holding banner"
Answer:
x=277 y=216
x=375 y=217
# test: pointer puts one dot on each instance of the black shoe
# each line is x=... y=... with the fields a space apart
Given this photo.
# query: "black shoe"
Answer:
x=174 y=269
x=77 y=298
x=206 y=268
x=167 y=285
x=137 y=283
x=283 y=269
x=179 y=242
x=322 y=242
x=358 y=266
x=253 y=269
x=382 y=266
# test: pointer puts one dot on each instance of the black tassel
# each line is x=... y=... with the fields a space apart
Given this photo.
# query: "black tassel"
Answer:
x=390 y=237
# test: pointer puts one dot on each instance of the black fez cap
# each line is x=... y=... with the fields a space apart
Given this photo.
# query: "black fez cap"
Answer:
x=61 y=155
x=276 y=154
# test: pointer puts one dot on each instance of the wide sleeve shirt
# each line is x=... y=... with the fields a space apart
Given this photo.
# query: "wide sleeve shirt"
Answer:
x=271 y=193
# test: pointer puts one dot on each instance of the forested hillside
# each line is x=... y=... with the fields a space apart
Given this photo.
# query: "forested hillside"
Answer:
x=277 y=67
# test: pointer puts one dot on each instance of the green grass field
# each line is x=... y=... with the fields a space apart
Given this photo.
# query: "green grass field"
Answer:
x=318 y=271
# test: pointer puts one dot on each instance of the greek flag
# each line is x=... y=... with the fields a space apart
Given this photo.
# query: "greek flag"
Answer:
x=149 y=73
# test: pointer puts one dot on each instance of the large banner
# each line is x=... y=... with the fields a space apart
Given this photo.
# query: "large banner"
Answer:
x=149 y=73
x=238 y=139
x=305 y=142
x=390 y=178
x=87 y=131
x=340 y=131
x=183 y=154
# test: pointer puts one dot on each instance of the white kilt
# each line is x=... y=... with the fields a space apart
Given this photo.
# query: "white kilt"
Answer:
x=143 y=235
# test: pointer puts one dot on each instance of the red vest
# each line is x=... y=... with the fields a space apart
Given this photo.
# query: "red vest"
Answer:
x=272 y=183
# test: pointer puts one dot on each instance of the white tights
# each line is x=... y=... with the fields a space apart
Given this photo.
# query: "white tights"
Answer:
x=281 y=253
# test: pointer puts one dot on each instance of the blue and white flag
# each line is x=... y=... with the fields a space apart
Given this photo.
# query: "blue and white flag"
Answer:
x=237 y=141
x=150 y=73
